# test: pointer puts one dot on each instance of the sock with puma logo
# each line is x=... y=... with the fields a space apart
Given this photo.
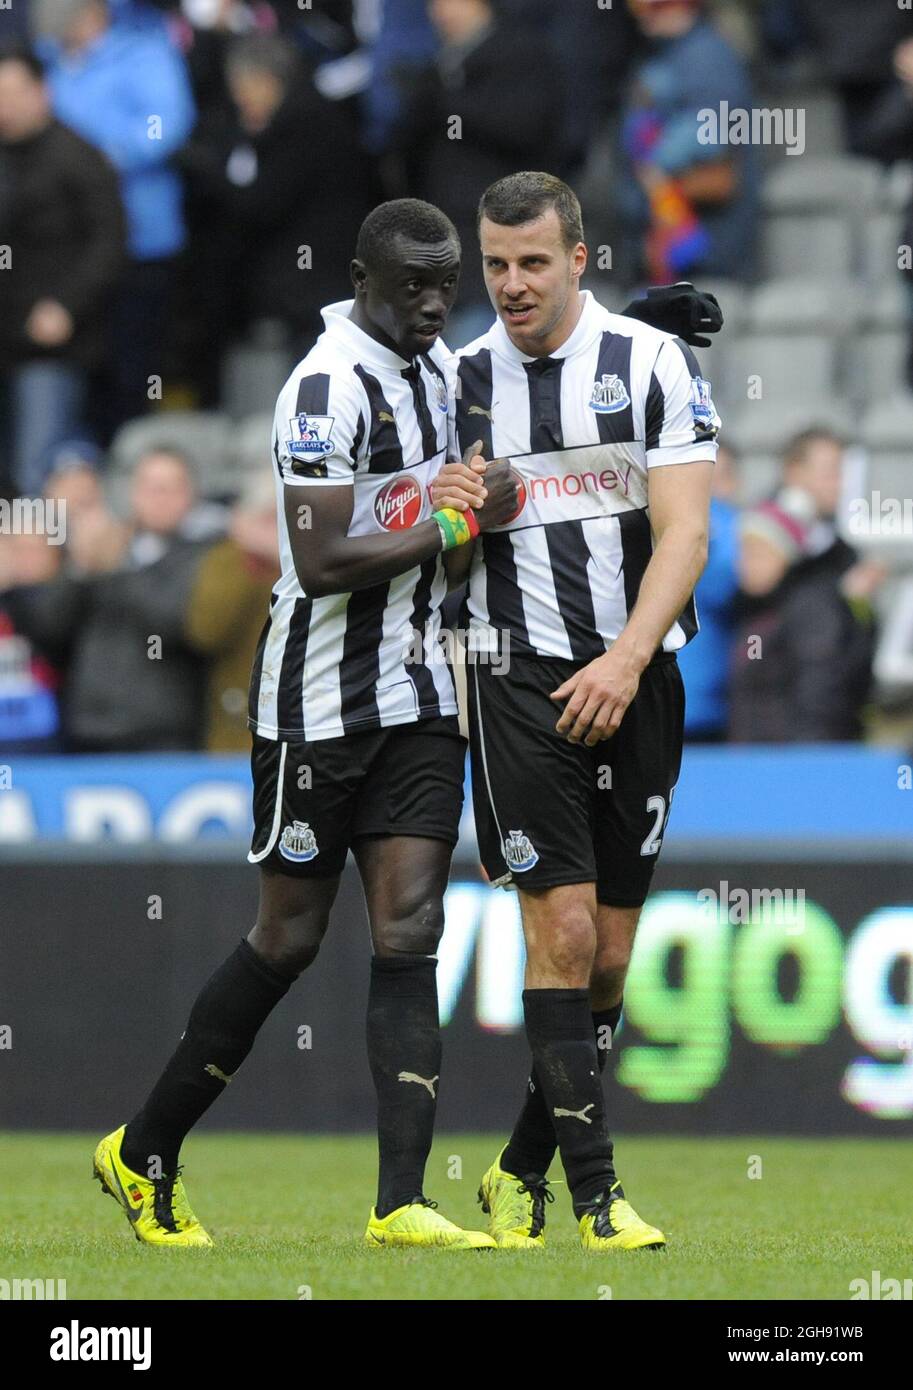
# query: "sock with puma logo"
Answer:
x=559 y=1026
x=532 y=1144
x=224 y=1021
x=404 y=1050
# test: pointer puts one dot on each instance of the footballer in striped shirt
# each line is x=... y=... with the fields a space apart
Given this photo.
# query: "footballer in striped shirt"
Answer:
x=586 y=594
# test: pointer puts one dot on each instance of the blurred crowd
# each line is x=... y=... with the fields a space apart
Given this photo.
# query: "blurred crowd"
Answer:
x=181 y=176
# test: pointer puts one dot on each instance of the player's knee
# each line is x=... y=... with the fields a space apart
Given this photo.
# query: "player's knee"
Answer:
x=416 y=929
x=566 y=947
x=288 y=944
x=610 y=968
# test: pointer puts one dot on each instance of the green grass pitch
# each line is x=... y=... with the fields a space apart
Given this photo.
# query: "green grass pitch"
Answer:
x=288 y=1214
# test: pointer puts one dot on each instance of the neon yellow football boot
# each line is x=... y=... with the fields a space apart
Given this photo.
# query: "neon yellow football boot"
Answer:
x=612 y=1224
x=157 y=1209
x=419 y=1223
x=515 y=1207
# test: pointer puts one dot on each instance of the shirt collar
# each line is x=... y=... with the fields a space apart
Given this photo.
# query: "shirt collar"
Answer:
x=343 y=329
x=585 y=329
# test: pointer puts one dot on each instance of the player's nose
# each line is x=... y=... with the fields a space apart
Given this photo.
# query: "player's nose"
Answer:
x=514 y=283
x=434 y=308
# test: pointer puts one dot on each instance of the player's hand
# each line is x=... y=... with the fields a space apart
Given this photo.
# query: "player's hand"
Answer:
x=460 y=484
x=501 y=504
x=679 y=309
x=596 y=698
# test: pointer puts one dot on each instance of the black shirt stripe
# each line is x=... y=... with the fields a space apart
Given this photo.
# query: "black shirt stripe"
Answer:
x=360 y=665
x=473 y=407
x=291 y=674
x=384 y=446
x=654 y=414
x=568 y=555
x=505 y=605
x=544 y=383
x=636 y=551
x=413 y=375
x=614 y=359
x=422 y=679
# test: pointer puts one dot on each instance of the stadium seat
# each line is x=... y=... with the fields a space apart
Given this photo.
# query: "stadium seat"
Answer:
x=782 y=369
x=253 y=371
x=824 y=132
x=758 y=475
x=803 y=244
x=877 y=363
x=813 y=305
x=888 y=426
x=206 y=436
x=889 y=306
x=882 y=236
x=898 y=186
x=252 y=444
x=810 y=184
x=759 y=428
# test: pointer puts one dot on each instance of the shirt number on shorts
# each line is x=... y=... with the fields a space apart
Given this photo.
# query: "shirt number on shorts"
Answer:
x=656 y=805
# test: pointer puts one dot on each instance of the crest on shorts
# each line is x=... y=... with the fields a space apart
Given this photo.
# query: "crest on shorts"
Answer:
x=519 y=852
x=298 y=842
x=609 y=394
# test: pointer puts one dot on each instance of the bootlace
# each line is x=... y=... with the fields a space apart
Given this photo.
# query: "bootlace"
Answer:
x=539 y=1192
x=170 y=1208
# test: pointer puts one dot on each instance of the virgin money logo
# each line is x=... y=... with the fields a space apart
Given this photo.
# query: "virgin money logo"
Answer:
x=398 y=504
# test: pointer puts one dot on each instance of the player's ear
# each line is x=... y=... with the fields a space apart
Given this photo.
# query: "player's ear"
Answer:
x=358 y=275
x=579 y=259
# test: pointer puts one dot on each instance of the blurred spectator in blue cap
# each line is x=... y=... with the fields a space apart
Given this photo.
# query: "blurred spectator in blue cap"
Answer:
x=62 y=221
x=122 y=86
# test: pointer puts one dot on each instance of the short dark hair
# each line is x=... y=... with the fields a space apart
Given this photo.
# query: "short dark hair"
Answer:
x=523 y=197
x=18 y=53
x=168 y=449
x=799 y=447
x=409 y=217
x=263 y=53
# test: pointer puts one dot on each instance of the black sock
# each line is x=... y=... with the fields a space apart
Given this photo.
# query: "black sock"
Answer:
x=404 y=1049
x=223 y=1023
x=532 y=1145
x=559 y=1026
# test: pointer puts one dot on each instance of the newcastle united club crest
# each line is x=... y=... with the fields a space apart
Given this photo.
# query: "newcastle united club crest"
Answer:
x=519 y=852
x=609 y=395
x=298 y=842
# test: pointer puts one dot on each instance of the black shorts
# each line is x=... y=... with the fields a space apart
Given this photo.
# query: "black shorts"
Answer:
x=550 y=812
x=313 y=800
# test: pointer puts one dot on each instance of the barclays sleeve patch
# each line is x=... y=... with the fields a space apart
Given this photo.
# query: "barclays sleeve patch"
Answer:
x=703 y=411
x=310 y=436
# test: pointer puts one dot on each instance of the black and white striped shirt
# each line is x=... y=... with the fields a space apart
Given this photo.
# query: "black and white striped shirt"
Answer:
x=353 y=412
x=581 y=427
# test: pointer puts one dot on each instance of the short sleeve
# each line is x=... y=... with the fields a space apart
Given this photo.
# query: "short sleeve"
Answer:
x=681 y=423
x=320 y=429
